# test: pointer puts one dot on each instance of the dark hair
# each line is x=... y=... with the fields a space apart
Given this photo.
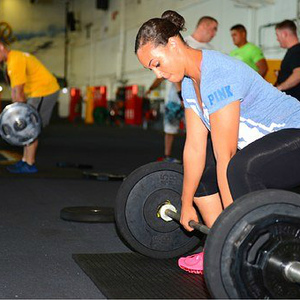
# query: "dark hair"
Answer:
x=159 y=30
x=287 y=24
x=205 y=19
x=239 y=27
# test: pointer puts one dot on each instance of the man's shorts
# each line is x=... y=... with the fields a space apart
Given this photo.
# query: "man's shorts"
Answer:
x=174 y=113
x=171 y=128
x=44 y=105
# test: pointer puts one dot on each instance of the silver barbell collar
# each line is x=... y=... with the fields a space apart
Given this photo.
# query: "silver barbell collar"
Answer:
x=292 y=271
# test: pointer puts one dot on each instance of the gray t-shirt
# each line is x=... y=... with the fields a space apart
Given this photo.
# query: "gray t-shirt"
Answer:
x=263 y=108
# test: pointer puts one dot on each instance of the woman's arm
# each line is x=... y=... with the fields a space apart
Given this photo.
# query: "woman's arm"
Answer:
x=224 y=133
x=194 y=156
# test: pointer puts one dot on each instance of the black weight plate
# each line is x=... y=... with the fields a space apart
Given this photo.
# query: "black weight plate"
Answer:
x=63 y=164
x=137 y=203
x=91 y=214
x=103 y=176
x=244 y=240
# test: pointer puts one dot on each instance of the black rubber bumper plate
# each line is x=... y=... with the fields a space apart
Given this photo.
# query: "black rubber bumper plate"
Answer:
x=92 y=214
x=103 y=176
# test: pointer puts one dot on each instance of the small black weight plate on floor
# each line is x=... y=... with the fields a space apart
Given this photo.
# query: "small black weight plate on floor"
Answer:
x=251 y=243
x=103 y=176
x=63 y=164
x=92 y=214
x=137 y=203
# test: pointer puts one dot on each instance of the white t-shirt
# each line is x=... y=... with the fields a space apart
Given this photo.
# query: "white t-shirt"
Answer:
x=197 y=45
x=171 y=92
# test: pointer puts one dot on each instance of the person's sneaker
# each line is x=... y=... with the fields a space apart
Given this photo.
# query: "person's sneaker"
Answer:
x=161 y=159
x=169 y=159
x=22 y=168
x=15 y=166
x=193 y=263
x=172 y=160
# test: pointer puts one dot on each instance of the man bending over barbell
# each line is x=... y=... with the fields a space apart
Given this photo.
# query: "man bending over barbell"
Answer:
x=30 y=82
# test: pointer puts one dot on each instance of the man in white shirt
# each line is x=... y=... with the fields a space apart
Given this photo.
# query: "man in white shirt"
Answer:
x=204 y=32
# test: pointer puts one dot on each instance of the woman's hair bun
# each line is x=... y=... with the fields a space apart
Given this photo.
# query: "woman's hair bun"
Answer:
x=175 y=18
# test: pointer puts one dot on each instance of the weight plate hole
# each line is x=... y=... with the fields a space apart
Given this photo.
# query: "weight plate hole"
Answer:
x=20 y=124
x=33 y=118
x=255 y=249
x=6 y=130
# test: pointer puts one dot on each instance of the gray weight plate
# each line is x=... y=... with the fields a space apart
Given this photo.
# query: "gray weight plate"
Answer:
x=137 y=203
x=20 y=124
x=249 y=236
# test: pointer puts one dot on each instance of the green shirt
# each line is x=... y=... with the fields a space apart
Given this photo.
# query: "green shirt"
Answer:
x=249 y=54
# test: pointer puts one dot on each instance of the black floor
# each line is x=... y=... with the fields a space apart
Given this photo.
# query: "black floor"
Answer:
x=36 y=245
x=141 y=277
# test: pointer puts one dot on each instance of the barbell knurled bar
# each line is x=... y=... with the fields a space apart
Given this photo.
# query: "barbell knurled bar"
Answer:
x=198 y=226
x=291 y=270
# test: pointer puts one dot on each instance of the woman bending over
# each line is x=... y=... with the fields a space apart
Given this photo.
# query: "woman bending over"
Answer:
x=228 y=107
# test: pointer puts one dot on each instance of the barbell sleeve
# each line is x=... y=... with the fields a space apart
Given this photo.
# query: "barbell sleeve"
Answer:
x=292 y=271
x=198 y=226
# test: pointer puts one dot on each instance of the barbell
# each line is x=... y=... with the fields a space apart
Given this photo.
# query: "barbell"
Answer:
x=20 y=124
x=252 y=250
x=168 y=212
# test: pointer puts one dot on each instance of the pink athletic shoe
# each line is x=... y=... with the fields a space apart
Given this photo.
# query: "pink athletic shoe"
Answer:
x=192 y=264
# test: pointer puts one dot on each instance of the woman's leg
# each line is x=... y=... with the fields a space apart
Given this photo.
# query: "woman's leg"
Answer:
x=270 y=162
x=207 y=197
x=210 y=208
x=208 y=202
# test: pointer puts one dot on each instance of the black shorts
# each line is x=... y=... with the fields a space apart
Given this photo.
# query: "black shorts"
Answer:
x=272 y=161
x=208 y=183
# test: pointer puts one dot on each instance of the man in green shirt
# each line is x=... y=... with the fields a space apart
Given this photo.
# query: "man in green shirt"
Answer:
x=247 y=52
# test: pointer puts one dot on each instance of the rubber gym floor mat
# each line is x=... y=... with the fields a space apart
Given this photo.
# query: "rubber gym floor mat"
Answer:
x=133 y=276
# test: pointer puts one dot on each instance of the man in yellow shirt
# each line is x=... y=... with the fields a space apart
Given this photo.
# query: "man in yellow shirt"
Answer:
x=30 y=82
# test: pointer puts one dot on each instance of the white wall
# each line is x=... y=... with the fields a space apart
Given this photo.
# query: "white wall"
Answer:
x=101 y=66
x=39 y=29
x=36 y=24
x=275 y=13
x=101 y=51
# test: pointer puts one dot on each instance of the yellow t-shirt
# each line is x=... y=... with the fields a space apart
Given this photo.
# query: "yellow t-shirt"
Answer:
x=24 y=68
